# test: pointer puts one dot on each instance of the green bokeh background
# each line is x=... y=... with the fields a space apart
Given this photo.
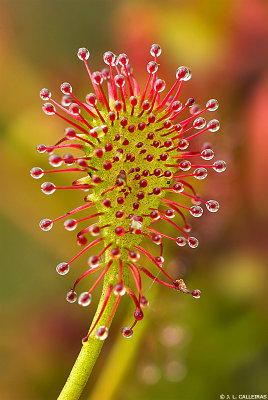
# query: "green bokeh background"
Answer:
x=184 y=349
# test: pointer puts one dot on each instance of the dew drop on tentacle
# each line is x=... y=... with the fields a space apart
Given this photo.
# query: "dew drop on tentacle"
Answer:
x=219 y=166
x=95 y=230
x=119 y=289
x=71 y=296
x=183 y=73
x=70 y=133
x=155 y=50
x=183 y=144
x=155 y=215
x=181 y=241
x=101 y=333
x=187 y=228
x=115 y=254
x=109 y=58
x=70 y=224
x=170 y=213
x=212 y=205
x=144 y=302
x=46 y=224
x=159 y=85
x=68 y=159
x=200 y=173
x=41 y=148
x=127 y=332
x=83 y=54
x=66 y=100
x=91 y=99
x=157 y=239
x=134 y=256
x=178 y=187
x=122 y=59
x=194 y=109
x=62 y=268
x=196 y=211
x=207 y=154
x=185 y=165
x=55 y=160
x=199 y=123
x=84 y=299
x=48 y=188
x=160 y=260
x=192 y=242
x=66 y=88
x=213 y=125
x=49 y=109
x=45 y=94
x=196 y=294
x=152 y=67
x=97 y=77
x=94 y=261
x=37 y=173
x=212 y=105
x=81 y=240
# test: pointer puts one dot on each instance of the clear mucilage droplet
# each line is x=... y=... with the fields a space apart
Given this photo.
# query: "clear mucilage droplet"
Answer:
x=213 y=125
x=212 y=105
x=37 y=173
x=152 y=67
x=181 y=241
x=196 y=211
x=212 y=205
x=185 y=165
x=200 y=173
x=49 y=109
x=119 y=289
x=62 y=268
x=70 y=224
x=101 y=333
x=127 y=332
x=94 y=262
x=55 y=160
x=122 y=59
x=48 y=188
x=207 y=154
x=84 y=299
x=183 y=144
x=193 y=242
x=109 y=58
x=45 y=94
x=160 y=260
x=66 y=88
x=199 y=123
x=83 y=54
x=155 y=50
x=71 y=296
x=183 y=73
x=219 y=166
x=46 y=224
x=196 y=294
x=41 y=148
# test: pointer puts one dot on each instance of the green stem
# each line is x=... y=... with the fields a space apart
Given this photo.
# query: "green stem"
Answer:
x=90 y=351
x=124 y=350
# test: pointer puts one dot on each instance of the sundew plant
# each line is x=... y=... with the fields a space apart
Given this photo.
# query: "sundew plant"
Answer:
x=138 y=160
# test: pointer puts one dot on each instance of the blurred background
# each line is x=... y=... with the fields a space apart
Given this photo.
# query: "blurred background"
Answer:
x=184 y=349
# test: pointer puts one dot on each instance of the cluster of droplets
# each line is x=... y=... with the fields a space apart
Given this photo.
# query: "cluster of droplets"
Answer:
x=136 y=149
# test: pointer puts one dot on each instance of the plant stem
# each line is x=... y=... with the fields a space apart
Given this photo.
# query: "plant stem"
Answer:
x=90 y=351
x=124 y=350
